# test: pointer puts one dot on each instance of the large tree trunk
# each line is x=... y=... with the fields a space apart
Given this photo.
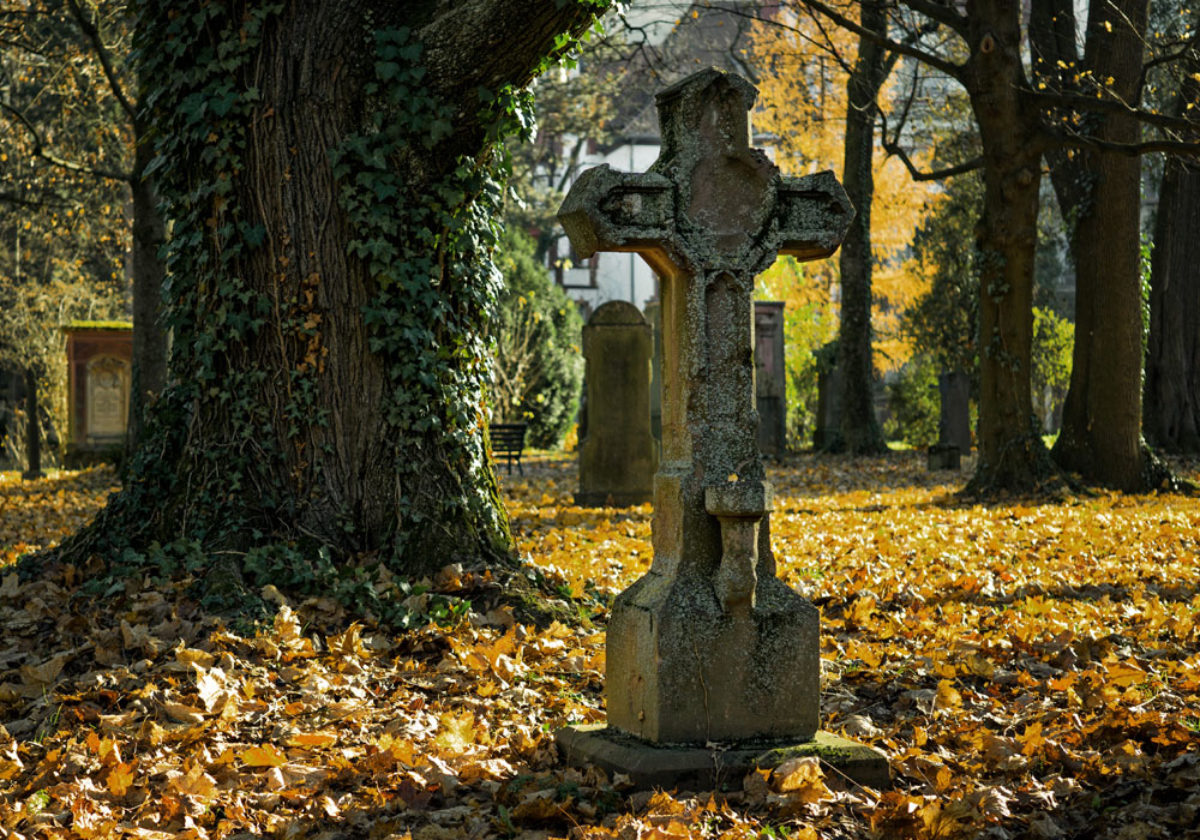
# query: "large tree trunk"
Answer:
x=1011 y=454
x=149 y=375
x=329 y=277
x=1101 y=432
x=1171 y=412
x=861 y=434
x=1171 y=408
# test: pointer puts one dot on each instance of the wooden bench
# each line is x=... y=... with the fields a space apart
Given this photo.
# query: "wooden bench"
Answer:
x=508 y=442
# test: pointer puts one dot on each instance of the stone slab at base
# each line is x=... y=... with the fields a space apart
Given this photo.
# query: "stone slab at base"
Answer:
x=701 y=768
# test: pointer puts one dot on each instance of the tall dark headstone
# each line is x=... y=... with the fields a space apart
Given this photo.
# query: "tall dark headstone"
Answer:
x=954 y=421
x=710 y=646
x=827 y=436
x=653 y=313
x=770 y=377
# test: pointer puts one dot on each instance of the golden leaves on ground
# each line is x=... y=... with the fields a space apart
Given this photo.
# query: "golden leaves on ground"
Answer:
x=1032 y=670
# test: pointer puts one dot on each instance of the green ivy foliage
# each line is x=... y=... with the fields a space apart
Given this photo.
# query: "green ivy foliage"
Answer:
x=217 y=483
x=915 y=403
x=538 y=358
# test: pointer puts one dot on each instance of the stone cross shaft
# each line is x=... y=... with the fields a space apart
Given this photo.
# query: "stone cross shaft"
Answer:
x=709 y=644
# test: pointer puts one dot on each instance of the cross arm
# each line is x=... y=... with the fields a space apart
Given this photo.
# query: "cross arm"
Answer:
x=608 y=210
x=814 y=214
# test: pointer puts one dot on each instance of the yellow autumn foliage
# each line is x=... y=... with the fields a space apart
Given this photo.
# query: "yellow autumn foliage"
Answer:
x=802 y=107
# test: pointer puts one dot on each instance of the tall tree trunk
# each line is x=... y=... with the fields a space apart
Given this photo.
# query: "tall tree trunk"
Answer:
x=1101 y=432
x=861 y=434
x=1171 y=406
x=329 y=277
x=149 y=375
x=1171 y=411
x=1011 y=454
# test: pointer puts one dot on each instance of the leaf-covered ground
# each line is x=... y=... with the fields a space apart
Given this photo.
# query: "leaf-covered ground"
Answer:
x=1031 y=670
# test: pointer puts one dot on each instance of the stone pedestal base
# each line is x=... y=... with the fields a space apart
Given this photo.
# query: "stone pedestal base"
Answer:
x=681 y=670
x=944 y=456
x=701 y=768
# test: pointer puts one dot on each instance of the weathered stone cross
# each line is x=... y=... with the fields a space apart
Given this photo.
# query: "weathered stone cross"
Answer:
x=709 y=646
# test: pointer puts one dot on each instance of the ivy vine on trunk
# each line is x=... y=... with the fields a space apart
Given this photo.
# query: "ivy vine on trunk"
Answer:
x=333 y=172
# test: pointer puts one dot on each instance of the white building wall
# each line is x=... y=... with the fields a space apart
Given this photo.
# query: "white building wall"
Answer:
x=611 y=276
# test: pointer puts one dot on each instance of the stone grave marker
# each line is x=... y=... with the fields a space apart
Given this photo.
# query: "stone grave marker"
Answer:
x=712 y=661
x=954 y=422
x=99 y=372
x=653 y=313
x=618 y=457
x=770 y=377
x=827 y=436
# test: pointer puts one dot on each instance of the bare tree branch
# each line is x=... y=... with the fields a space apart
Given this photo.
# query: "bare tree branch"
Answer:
x=943 y=14
x=1076 y=102
x=951 y=69
x=39 y=150
x=105 y=58
x=1172 y=147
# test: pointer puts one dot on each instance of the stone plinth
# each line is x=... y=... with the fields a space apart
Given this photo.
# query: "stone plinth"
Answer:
x=618 y=457
x=709 y=646
x=716 y=767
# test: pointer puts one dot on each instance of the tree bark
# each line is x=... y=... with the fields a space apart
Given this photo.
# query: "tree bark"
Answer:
x=1101 y=432
x=289 y=418
x=1171 y=404
x=1011 y=454
x=1171 y=410
x=861 y=434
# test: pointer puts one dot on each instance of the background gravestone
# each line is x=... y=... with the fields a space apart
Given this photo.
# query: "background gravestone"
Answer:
x=827 y=436
x=770 y=377
x=954 y=421
x=653 y=313
x=99 y=371
x=618 y=457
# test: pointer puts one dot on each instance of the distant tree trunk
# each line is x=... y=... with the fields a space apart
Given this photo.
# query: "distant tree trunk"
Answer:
x=1011 y=454
x=149 y=375
x=1171 y=411
x=1101 y=432
x=1171 y=405
x=329 y=276
x=861 y=434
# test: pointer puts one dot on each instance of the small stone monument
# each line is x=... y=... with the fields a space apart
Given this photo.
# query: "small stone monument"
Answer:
x=827 y=437
x=99 y=371
x=770 y=377
x=618 y=457
x=954 y=422
x=653 y=313
x=713 y=662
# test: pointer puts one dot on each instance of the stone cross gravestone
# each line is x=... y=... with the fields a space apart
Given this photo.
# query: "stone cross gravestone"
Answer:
x=618 y=457
x=710 y=646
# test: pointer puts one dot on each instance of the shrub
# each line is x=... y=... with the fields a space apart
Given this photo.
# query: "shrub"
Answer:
x=915 y=403
x=539 y=367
